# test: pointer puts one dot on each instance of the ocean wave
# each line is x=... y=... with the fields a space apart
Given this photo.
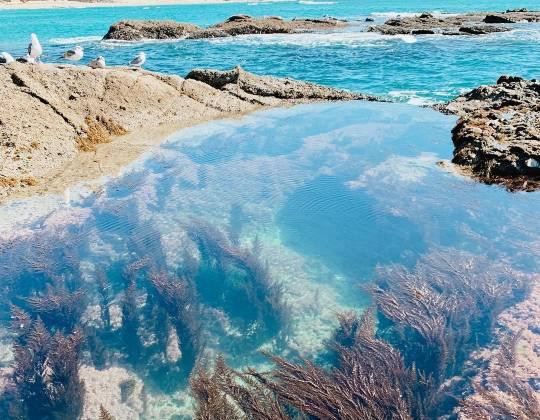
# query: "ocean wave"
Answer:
x=316 y=2
x=390 y=15
x=75 y=40
x=315 y=39
x=412 y=97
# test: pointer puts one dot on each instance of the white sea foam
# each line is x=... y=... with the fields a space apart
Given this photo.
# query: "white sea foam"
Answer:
x=413 y=97
x=315 y=3
x=75 y=40
x=328 y=39
x=390 y=15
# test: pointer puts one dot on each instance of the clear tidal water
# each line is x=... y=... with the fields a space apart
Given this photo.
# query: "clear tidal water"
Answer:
x=328 y=192
x=417 y=69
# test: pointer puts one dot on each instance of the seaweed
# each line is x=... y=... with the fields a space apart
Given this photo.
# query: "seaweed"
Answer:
x=370 y=382
x=104 y=414
x=503 y=395
x=229 y=394
x=130 y=325
x=177 y=296
x=233 y=279
x=46 y=372
x=441 y=311
x=58 y=308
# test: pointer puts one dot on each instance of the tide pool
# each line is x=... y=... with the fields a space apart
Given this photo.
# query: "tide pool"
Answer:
x=321 y=194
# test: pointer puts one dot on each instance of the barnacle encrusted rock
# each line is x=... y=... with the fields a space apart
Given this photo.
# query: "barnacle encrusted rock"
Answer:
x=497 y=136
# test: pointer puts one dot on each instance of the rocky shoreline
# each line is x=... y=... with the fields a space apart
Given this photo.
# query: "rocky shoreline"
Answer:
x=137 y=30
x=455 y=24
x=497 y=136
x=53 y=113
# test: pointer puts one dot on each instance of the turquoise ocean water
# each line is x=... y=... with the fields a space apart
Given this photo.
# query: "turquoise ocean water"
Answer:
x=429 y=68
x=323 y=193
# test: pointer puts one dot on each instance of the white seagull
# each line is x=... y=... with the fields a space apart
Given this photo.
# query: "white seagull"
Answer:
x=139 y=60
x=74 y=55
x=34 y=48
x=6 y=58
x=98 y=63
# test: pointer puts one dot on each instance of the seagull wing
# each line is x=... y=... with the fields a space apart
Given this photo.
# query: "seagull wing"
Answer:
x=29 y=48
x=69 y=53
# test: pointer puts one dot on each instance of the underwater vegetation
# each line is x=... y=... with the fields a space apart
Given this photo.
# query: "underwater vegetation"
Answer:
x=135 y=309
x=234 y=280
x=502 y=395
x=430 y=320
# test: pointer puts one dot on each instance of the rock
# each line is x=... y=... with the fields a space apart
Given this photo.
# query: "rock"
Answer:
x=497 y=19
x=370 y=20
x=423 y=32
x=482 y=29
x=247 y=86
x=497 y=137
x=468 y=23
x=135 y=30
x=70 y=109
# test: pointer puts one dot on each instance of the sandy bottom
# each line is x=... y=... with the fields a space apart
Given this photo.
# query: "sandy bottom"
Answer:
x=54 y=4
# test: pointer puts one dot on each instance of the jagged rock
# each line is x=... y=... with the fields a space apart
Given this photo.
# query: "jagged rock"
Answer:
x=246 y=85
x=135 y=30
x=482 y=29
x=50 y=112
x=468 y=23
x=497 y=137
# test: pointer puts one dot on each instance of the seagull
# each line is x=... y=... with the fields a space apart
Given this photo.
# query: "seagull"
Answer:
x=26 y=59
x=139 y=60
x=74 y=55
x=6 y=58
x=34 y=48
x=98 y=63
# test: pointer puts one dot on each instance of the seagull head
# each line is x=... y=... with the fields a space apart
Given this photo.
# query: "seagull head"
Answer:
x=33 y=36
x=78 y=48
x=142 y=55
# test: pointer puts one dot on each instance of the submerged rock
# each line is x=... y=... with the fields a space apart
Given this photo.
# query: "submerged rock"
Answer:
x=497 y=136
x=134 y=30
x=52 y=112
x=469 y=23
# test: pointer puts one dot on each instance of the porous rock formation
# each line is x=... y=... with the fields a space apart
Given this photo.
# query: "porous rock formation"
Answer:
x=461 y=24
x=497 y=137
x=136 y=30
x=51 y=112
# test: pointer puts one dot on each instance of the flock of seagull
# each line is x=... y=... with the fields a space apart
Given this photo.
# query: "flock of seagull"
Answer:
x=35 y=51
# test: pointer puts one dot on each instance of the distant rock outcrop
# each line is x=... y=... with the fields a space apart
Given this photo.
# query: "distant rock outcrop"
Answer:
x=461 y=24
x=497 y=136
x=136 y=30
x=51 y=112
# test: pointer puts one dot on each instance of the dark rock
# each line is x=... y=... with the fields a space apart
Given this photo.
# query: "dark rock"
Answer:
x=522 y=10
x=482 y=29
x=370 y=20
x=423 y=32
x=497 y=137
x=471 y=23
x=497 y=19
x=510 y=79
x=136 y=30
